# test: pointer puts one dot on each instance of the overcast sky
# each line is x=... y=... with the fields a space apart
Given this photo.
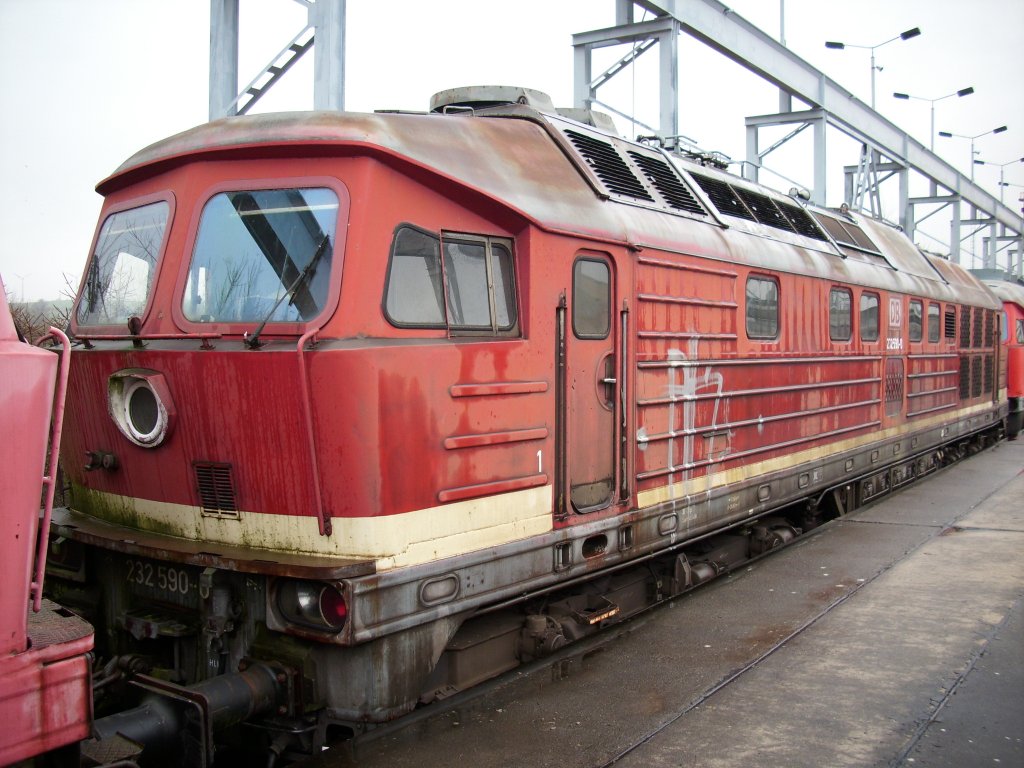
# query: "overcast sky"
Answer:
x=86 y=83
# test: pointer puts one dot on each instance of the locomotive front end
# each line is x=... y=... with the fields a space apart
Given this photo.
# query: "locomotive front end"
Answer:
x=273 y=460
x=194 y=519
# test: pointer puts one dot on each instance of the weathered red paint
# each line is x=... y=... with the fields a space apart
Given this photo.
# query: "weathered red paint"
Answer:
x=346 y=418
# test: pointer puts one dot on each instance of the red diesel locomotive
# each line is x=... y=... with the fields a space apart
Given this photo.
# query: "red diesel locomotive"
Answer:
x=1010 y=291
x=368 y=408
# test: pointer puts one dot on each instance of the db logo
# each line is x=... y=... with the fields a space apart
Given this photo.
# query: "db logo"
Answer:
x=895 y=312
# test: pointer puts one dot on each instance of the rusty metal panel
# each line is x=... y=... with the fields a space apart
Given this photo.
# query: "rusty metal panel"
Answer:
x=46 y=697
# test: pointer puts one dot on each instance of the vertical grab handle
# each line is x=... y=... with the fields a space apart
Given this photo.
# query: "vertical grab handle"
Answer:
x=50 y=478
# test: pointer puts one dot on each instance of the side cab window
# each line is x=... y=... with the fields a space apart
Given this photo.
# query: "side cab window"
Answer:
x=460 y=282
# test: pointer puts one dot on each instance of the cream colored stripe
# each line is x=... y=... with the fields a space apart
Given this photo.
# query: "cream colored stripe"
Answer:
x=702 y=484
x=392 y=541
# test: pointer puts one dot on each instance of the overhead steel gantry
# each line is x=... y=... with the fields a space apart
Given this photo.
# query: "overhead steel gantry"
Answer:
x=325 y=25
x=887 y=150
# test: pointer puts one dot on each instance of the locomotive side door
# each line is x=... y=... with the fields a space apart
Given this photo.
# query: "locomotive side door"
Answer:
x=896 y=349
x=592 y=384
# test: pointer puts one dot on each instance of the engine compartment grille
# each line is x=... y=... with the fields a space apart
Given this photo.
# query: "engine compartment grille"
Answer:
x=216 y=489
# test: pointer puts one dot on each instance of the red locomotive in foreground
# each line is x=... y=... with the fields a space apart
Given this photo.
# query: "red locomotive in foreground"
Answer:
x=45 y=694
x=369 y=408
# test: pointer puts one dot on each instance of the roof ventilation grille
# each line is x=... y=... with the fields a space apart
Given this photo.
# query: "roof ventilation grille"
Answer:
x=846 y=232
x=801 y=220
x=723 y=197
x=676 y=194
x=764 y=209
x=609 y=166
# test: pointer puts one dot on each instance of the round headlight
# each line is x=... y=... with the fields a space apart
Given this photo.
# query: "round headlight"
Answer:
x=140 y=404
x=142 y=411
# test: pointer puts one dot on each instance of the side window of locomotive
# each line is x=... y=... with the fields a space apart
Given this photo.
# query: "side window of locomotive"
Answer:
x=762 y=308
x=869 y=317
x=1020 y=331
x=262 y=255
x=481 y=288
x=472 y=291
x=916 y=320
x=840 y=314
x=591 y=299
x=415 y=296
x=933 y=323
x=120 y=273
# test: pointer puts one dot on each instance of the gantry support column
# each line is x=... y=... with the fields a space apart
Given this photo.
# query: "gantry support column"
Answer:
x=327 y=17
x=815 y=118
x=223 y=57
x=664 y=31
x=954 y=233
x=325 y=25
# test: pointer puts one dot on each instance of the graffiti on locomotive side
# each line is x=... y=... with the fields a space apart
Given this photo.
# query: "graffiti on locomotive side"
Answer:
x=688 y=385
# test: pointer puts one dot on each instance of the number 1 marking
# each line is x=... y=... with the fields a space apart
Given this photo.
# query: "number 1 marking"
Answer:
x=540 y=462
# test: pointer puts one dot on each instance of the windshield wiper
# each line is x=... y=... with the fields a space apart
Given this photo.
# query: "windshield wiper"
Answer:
x=253 y=341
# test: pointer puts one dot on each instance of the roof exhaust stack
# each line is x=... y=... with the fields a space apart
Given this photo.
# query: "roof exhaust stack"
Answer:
x=472 y=97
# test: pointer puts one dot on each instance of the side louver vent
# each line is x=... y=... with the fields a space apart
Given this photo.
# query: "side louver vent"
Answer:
x=723 y=197
x=950 y=324
x=609 y=166
x=676 y=194
x=216 y=489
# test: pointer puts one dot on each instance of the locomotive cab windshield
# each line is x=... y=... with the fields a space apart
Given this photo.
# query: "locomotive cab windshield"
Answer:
x=120 y=274
x=257 y=248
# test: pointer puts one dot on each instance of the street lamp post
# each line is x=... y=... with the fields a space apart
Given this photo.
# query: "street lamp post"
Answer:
x=961 y=93
x=1002 y=173
x=902 y=36
x=948 y=135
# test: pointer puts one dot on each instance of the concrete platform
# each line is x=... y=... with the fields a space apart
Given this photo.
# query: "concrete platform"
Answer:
x=893 y=637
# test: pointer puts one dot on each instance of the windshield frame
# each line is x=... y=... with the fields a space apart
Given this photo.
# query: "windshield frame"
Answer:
x=165 y=196
x=273 y=327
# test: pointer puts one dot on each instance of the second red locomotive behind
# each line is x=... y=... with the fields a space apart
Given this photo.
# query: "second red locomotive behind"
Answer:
x=1010 y=291
x=368 y=408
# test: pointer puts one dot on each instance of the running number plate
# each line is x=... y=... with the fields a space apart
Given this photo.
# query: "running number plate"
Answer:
x=161 y=580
